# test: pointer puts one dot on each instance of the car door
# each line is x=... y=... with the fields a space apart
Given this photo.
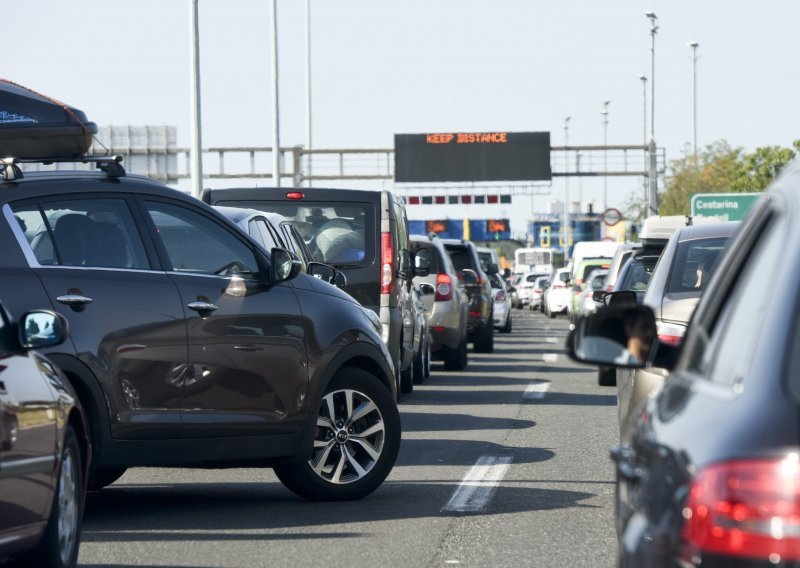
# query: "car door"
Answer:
x=125 y=316
x=28 y=433
x=247 y=370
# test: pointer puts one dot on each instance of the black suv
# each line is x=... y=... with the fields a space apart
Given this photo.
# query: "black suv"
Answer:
x=363 y=234
x=190 y=346
x=480 y=326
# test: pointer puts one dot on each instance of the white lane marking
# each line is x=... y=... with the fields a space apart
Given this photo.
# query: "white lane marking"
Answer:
x=536 y=390
x=550 y=357
x=480 y=483
x=550 y=340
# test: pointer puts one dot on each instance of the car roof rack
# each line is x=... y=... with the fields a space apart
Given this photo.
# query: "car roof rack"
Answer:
x=111 y=165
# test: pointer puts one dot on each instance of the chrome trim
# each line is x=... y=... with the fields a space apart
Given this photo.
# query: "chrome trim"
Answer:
x=18 y=468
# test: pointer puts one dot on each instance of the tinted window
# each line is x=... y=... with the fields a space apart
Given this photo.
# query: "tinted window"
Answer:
x=726 y=357
x=195 y=243
x=637 y=274
x=262 y=233
x=83 y=232
x=339 y=234
x=691 y=257
x=461 y=257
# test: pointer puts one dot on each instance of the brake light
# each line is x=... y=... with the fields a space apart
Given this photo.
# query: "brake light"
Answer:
x=387 y=263
x=475 y=313
x=444 y=288
x=294 y=195
x=746 y=508
x=670 y=333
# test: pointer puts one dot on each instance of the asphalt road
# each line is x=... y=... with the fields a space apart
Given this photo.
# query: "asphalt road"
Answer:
x=503 y=464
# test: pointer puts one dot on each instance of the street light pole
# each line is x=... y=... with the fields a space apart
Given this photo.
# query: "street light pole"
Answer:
x=308 y=86
x=276 y=143
x=694 y=45
x=565 y=231
x=196 y=128
x=604 y=112
x=643 y=79
x=652 y=169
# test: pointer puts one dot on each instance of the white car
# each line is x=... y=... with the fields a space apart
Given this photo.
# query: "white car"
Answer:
x=559 y=293
x=537 y=294
x=502 y=304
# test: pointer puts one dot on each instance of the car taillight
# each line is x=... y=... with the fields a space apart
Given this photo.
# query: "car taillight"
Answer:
x=387 y=263
x=670 y=333
x=475 y=313
x=500 y=296
x=746 y=508
x=294 y=195
x=444 y=288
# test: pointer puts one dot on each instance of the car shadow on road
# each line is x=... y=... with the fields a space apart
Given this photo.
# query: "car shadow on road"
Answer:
x=436 y=422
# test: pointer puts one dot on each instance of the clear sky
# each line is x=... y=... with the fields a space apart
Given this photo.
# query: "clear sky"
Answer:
x=381 y=67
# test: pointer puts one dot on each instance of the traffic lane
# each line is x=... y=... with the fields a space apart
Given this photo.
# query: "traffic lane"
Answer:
x=568 y=512
x=229 y=517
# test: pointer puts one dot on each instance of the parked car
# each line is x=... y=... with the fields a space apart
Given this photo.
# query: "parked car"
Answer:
x=502 y=304
x=558 y=294
x=44 y=446
x=193 y=347
x=672 y=293
x=363 y=234
x=447 y=307
x=480 y=324
x=709 y=474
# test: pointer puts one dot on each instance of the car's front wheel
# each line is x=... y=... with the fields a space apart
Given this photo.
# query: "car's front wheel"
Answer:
x=59 y=544
x=356 y=441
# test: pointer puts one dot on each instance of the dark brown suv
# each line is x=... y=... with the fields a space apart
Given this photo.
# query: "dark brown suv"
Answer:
x=190 y=346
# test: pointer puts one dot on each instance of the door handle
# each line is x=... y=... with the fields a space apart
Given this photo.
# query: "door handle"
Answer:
x=202 y=308
x=624 y=457
x=75 y=301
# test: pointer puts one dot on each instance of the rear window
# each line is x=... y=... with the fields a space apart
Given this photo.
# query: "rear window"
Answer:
x=340 y=234
x=461 y=257
x=638 y=273
x=694 y=263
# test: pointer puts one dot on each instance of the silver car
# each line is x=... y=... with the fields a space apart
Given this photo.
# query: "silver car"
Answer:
x=446 y=304
x=678 y=280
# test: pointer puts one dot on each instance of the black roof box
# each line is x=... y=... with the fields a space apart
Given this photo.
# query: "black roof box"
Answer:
x=34 y=126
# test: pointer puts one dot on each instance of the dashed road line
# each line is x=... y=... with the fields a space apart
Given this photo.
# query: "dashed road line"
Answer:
x=551 y=340
x=479 y=485
x=550 y=357
x=537 y=389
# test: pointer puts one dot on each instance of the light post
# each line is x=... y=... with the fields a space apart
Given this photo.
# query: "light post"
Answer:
x=565 y=231
x=308 y=85
x=643 y=79
x=694 y=45
x=652 y=169
x=604 y=112
x=276 y=142
x=196 y=123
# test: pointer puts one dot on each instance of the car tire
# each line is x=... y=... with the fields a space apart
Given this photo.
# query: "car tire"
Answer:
x=427 y=365
x=407 y=379
x=507 y=327
x=418 y=363
x=61 y=539
x=607 y=376
x=335 y=478
x=99 y=478
x=484 y=339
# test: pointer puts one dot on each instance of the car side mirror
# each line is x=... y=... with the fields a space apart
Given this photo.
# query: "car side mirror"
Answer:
x=327 y=273
x=426 y=289
x=469 y=277
x=42 y=328
x=617 y=336
x=492 y=269
x=422 y=262
x=284 y=265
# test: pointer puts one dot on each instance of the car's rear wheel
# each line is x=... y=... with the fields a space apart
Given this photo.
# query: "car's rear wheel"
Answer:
x=357 y=437
x=507 y=327
x=61 y=539
x=456 y=359
x=419 y=364
x=484 y=339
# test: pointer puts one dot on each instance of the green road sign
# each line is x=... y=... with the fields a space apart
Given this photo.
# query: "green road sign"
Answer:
x=727 y=206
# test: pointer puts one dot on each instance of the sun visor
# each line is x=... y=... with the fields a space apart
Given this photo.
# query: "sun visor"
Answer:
x=35 y=126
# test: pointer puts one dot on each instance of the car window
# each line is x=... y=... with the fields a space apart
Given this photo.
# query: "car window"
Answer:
x=82 y=232
x=295 y=242
x=637 y=274
x=461 y=257
x=341 y=234
x=195 y=243
x=694 y=263
x=259 y=229
x=725 y=356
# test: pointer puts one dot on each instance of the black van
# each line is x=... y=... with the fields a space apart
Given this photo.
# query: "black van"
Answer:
x=362 y=233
